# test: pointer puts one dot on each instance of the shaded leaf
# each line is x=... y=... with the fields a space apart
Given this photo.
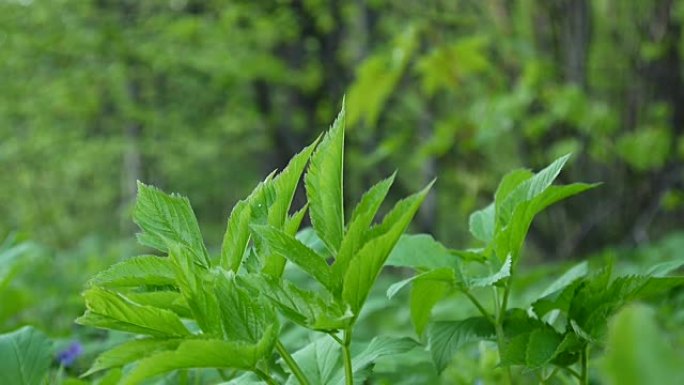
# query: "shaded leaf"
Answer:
x=319 y=361
x=445 y=338
x=491 y=280
x=559 y=294
x=378 y=347
x=421 y=251
x=638 y=353
x=26 y=354
x=481 y=223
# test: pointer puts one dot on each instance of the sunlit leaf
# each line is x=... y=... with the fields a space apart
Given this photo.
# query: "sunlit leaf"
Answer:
x=137 y=271
x=130 y=351
x=323 y=182
x=168 y=218
x=366 y=265
x=111 y=310
x=361 y=220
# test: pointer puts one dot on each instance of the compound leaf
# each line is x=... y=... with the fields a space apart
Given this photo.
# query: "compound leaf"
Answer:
x=366 y=265
x=362 y=218
x=289 y=247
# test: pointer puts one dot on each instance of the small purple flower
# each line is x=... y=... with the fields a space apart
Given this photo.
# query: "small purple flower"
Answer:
x=67 y=356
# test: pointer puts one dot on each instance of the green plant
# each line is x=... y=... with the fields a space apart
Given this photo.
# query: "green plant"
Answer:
x=194 y=309
x=197 y=310
x=551 y=337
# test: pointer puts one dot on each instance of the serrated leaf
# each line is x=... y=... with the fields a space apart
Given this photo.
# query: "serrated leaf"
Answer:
x=236 y=238
x=576 y=272
x=481 y=223
x=244 y=317
x=362 y=218
x=323 y=183
x=509 y=183
x=510 y=239
x=164 y=299
x=168 y=218
x=493 y=279
x=130 y=351
x=307 y=308
x=295 y=251
x=442 y=274
x=445 y=338
x=422 y=251
x=657 y=286
x=664 y=268
x=559 y=294
x=319 y=361
x=542 y=347
x=275 y=264
x=26 y=354
x=202 y=353
x=137 y=271
x=514 y=351
x=111 y=310
x=530 y=188
x=598 y=298
x=195 y=283
x=285 y=185
x=366 y=265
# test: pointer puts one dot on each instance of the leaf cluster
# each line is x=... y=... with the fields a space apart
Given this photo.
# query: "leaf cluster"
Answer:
x=192 y=309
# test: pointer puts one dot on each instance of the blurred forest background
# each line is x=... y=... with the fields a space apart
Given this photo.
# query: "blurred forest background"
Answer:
x=205 y=98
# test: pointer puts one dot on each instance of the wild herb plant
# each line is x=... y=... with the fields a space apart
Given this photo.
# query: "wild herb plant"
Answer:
x=193 y=309
x=552 y=336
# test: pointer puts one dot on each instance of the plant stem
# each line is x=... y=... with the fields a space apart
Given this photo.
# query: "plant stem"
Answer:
x=573 y=372
x=348 y=372
x=498 y=325
x=296 y=370
x=479 y=306
x=584 y=363
x=268 y=379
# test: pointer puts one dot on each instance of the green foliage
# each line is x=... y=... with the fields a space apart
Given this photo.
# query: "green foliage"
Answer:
x=638 y=352
x=26 y=355
x=565 y=321
x=202 y=312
